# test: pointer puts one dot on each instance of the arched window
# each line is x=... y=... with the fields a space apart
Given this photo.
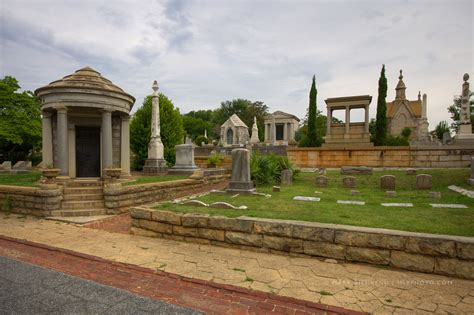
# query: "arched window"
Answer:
x=230 y=136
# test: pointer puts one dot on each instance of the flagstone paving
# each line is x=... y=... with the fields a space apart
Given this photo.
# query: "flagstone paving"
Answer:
x=353 y=286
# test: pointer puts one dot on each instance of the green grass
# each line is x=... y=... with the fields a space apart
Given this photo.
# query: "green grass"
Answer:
x=420 y=218
x=20 y=179
x=155 y=179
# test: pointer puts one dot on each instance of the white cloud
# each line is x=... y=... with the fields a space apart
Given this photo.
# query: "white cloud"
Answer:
x=205 y=52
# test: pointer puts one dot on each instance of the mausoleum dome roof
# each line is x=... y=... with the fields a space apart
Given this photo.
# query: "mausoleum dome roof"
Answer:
x=86 y=82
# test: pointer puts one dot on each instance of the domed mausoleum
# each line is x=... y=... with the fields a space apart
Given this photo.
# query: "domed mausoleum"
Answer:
x=85 y=124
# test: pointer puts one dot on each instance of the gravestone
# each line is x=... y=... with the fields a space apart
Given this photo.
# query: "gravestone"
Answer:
x=184 y=160
x=286 y=177
x=391 y=193
x=356 y=170
x=240 y=182
x=6 y=166
x=276 y=189
x=387 y=182
x=21 y=166
x=424 y=181
x=471 y=180
x=322 y=171
x=349 y=182
x=411 y=171
x=322 y=181
x=435 y=194
x=355 y=193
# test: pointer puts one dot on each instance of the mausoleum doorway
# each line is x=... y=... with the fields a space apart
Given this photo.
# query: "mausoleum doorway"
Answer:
x=87 y=151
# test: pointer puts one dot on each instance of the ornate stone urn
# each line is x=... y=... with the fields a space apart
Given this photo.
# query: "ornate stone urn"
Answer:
x=50 y=173
x=113 y=173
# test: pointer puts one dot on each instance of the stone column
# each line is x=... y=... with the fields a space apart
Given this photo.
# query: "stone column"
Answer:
x=424 y=107
x=273 y=130
x=328 y=123
x=366 y=118
x=107 y=160
x=348 y=119
x=62 y=137
x=125 y=146
x=47 y=140
x=285 y=132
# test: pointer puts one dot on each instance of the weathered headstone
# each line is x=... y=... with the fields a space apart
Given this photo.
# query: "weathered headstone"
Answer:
x=322 y=181
x=391 y=193
x=424 y=181
x=304 y=198
x=398 y=204
x=356 y=170
x=276 y=189
x=351 y=202
x=322 y=171
x=6 y=166
x=184 y=160
x=435 y=194
x=21 y=166
x=240 y=181
x=286 y=177
x=387 y=182
x=349 y=181
x=411 y=171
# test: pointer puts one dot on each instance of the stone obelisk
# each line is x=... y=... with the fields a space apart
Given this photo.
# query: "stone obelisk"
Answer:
x=155 y=163
x=254 y=138
x=465 y=134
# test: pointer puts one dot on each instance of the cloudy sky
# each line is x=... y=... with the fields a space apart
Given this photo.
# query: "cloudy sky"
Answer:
x=205 y=52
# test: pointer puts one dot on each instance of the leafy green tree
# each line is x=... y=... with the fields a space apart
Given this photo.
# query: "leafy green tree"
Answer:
x=20 y=122
x=455 y=111
x=441 y=128
x=171 y=127
x=381 y=121
x=246 y=110
x=312 y=135
x=195 y=127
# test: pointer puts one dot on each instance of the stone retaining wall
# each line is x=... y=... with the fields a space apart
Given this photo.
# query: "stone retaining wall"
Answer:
x=201 y=161
x=119 y=198
x=30 y=200
x=439 y=254
x=427 y=156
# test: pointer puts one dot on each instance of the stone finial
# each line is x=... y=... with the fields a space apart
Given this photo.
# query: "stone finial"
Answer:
x=401 y=75
x=465 y=77
x=419 y=95
x=400 y=89
x=155 y=86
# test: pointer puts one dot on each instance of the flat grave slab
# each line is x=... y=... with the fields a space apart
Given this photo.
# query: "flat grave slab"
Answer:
x=303 y=198
x=351 y=202
x=397 y=204
x=448 y=205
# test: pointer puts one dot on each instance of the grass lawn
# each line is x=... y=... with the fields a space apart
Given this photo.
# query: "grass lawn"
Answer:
x=155 y=179
x=20 y=179
x=420 y=218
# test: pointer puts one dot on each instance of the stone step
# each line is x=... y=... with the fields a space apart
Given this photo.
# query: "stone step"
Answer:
x=85 y=183
x=80 y=205
x=78 y=213
x=83 y=197
x=83 y=190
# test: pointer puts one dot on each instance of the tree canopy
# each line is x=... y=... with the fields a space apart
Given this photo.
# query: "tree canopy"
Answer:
x=20 y=122
x=171 y=127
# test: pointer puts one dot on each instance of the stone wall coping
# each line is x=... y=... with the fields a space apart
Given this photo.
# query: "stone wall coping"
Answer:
x=339 y=227
x=361 y=229
x=28 y=191
x=148 y=186
x=388 y=148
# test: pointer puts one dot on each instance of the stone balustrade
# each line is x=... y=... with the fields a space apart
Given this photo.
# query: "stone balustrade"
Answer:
x=430 y=253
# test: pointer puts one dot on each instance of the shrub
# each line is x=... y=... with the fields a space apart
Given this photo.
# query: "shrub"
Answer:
x=266 y=169
x=200 y=139
x=214 y=159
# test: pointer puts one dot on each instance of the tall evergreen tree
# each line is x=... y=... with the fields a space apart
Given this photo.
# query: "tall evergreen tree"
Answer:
x=381 y=120
x=312 y=112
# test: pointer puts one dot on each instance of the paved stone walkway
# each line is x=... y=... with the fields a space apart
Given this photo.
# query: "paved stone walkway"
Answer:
x=29 y=289
x=354 y=286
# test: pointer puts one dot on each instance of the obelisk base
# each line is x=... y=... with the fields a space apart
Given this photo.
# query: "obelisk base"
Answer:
x=155 y=166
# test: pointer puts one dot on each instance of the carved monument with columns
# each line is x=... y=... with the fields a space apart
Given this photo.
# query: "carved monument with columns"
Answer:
x=348 y=134
x=85 y=125
x=155 y=163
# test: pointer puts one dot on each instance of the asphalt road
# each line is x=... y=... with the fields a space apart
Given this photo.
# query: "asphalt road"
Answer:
x=29 y=289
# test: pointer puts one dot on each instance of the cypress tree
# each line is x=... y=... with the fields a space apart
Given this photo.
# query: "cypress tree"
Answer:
x=381 y=120
x=312 y=112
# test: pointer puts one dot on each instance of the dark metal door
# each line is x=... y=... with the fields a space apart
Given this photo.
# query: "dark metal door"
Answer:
x=87 y=151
